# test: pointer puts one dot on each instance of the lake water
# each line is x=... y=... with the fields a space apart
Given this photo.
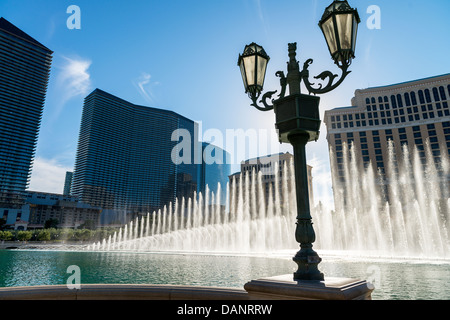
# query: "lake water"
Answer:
x=401 y=279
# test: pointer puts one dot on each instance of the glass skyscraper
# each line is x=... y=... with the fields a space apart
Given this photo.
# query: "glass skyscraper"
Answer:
x=24 y=74
x=215 y=169
x=125 y=155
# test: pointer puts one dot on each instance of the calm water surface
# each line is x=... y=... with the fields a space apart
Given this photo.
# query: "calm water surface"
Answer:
x=401 y=279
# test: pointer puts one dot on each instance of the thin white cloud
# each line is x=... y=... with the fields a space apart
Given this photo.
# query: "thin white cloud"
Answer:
x=259 y=10
x=143 y=83
x=74 y=78
x=48 y=176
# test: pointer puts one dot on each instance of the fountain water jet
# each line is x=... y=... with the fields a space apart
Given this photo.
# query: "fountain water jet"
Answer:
x=407 y=218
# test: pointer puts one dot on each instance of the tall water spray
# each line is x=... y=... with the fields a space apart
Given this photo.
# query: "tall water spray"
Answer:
x=409 y=217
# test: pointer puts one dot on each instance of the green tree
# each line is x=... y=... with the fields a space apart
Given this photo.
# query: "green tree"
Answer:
x=24 y=235
x=68 y=235
x=43 y=235
x=6 y=235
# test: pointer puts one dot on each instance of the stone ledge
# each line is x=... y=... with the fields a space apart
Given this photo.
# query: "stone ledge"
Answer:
x=285 y=288
x=122 y=292
x=273 y=288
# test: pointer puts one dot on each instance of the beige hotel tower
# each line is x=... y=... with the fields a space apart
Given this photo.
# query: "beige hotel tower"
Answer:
x=414 y=113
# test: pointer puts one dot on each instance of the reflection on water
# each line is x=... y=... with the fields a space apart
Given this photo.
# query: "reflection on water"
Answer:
x=401 y=279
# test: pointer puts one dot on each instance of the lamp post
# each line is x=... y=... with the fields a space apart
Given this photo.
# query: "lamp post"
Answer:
x=297 y=115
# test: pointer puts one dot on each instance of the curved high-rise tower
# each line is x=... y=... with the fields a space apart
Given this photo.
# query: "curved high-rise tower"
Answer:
x=124 y=158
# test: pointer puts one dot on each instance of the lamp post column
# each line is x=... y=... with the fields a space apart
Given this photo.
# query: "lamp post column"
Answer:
x=307 y=259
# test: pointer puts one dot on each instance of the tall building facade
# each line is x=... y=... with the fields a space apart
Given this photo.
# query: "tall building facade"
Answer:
x=68 y=183
x=24 y=74
x=272 y=168
x=415 y=114
x=127 y=155
x=215 y=169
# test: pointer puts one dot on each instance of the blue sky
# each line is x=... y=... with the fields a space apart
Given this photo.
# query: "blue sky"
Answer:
x=182 y=56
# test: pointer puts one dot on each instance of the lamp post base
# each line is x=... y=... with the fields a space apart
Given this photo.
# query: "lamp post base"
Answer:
x=307 y=260
x=284 y=288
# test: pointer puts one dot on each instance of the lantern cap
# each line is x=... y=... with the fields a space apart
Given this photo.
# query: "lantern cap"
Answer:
x=251 y=49
x=339 y=6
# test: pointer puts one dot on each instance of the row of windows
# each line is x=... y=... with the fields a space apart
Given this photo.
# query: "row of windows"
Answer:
x=409 y=99
x=390 y=117
x=418 y=142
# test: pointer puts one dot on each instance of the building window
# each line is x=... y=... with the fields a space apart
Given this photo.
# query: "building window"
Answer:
x=413 y=98
x=436 y=94
x=407 y=99
x=427 y=95
x=399 y=100
x=393 y=102
x=442 y=92
x=421 y=96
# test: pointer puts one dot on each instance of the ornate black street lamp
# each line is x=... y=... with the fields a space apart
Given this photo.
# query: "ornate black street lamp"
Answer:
x=297 y=115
